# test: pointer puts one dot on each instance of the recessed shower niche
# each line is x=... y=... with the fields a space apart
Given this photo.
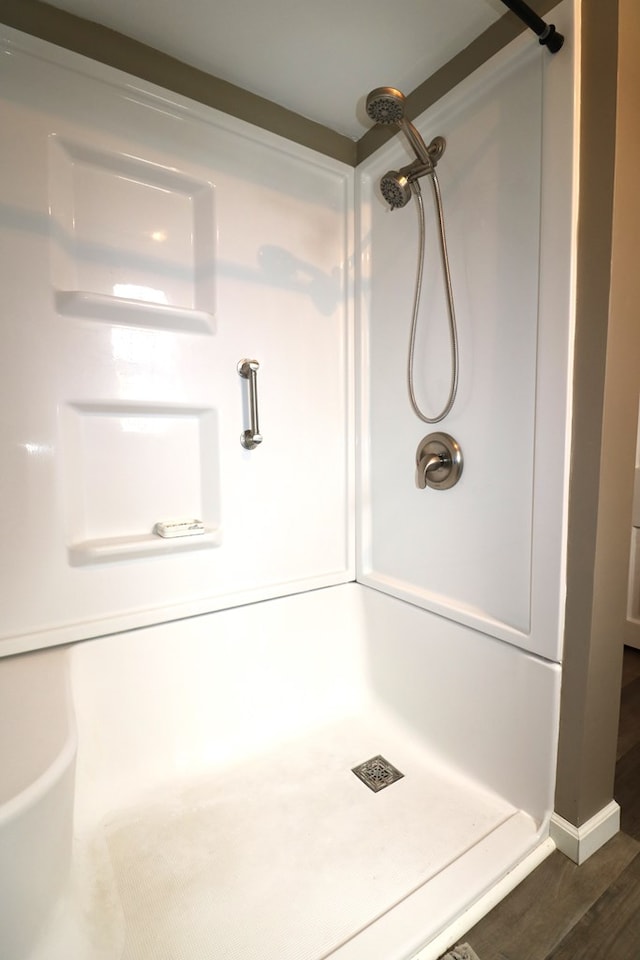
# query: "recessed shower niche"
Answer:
x=130 y=466
x=133 y=241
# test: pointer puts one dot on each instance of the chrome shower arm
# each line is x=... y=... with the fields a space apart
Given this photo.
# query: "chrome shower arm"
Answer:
x=413 y=171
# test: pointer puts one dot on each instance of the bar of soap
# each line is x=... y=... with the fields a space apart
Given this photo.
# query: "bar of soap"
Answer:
x=179 y=528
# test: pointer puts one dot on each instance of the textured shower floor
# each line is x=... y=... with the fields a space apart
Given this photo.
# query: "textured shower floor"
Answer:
x=285 y=857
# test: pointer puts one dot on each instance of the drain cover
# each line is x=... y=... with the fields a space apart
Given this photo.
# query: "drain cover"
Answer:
x=377 y=773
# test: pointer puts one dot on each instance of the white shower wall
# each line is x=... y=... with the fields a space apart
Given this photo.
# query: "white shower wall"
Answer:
x=487 y=552
x=149 y=245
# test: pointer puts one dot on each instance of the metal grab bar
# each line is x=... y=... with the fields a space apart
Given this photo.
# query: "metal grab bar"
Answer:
x=248 y=370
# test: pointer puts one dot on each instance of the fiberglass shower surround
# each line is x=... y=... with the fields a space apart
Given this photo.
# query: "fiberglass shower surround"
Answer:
x=190 y=710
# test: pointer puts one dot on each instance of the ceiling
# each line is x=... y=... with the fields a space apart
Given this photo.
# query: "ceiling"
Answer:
x=318 y=58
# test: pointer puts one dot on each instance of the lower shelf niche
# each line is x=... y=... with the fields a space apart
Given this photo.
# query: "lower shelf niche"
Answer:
x=128 y=466
x=137 y=547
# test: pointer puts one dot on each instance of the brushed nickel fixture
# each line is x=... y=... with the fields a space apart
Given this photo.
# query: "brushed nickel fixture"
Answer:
x=438 y=462
x=386 y=105
x=248 y=370
x=377 y=773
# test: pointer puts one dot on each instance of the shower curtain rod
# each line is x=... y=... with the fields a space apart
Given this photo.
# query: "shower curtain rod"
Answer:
x=549 y=36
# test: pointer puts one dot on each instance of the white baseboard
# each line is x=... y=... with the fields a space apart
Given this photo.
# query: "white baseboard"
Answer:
x=578 y=843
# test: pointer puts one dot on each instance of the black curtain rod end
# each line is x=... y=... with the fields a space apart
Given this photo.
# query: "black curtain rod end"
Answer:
x=551 y=39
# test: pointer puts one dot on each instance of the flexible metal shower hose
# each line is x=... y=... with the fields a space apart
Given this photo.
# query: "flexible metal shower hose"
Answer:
x=453 y=331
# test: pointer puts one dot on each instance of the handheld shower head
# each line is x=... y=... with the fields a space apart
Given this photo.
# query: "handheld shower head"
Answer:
x=385 y=105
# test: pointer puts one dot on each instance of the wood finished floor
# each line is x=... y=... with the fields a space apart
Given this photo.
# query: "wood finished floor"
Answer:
x=592 y=912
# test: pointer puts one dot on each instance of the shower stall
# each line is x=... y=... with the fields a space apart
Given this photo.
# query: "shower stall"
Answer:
x=265 y=694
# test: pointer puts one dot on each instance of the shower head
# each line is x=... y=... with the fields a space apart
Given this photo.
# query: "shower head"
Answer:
x=385 y=105
x=395 y=187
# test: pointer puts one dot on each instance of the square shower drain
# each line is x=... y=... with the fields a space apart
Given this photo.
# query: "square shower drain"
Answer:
x=377 y=773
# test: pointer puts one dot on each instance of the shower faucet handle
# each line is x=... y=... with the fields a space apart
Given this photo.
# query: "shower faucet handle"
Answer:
x=438 y=462
x=427 y=463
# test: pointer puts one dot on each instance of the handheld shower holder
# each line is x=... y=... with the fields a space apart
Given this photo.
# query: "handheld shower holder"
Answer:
x=435 y=149
x=396 y=185
x=419 y=168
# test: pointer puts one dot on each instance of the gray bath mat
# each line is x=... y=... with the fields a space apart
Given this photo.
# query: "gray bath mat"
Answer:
x=462 y=952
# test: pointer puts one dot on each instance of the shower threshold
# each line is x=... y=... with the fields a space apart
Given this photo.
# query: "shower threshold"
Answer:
x=287 y=856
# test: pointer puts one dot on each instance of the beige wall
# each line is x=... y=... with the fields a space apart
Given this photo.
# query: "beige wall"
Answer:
x=606 y=386
x=625 y=292
x=107 y=46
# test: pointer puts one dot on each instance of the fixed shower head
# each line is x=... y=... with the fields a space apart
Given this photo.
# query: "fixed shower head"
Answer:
x=395 y=187
x=385 y=105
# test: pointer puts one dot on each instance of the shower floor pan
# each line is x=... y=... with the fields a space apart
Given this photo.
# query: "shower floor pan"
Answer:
x=289 y=856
